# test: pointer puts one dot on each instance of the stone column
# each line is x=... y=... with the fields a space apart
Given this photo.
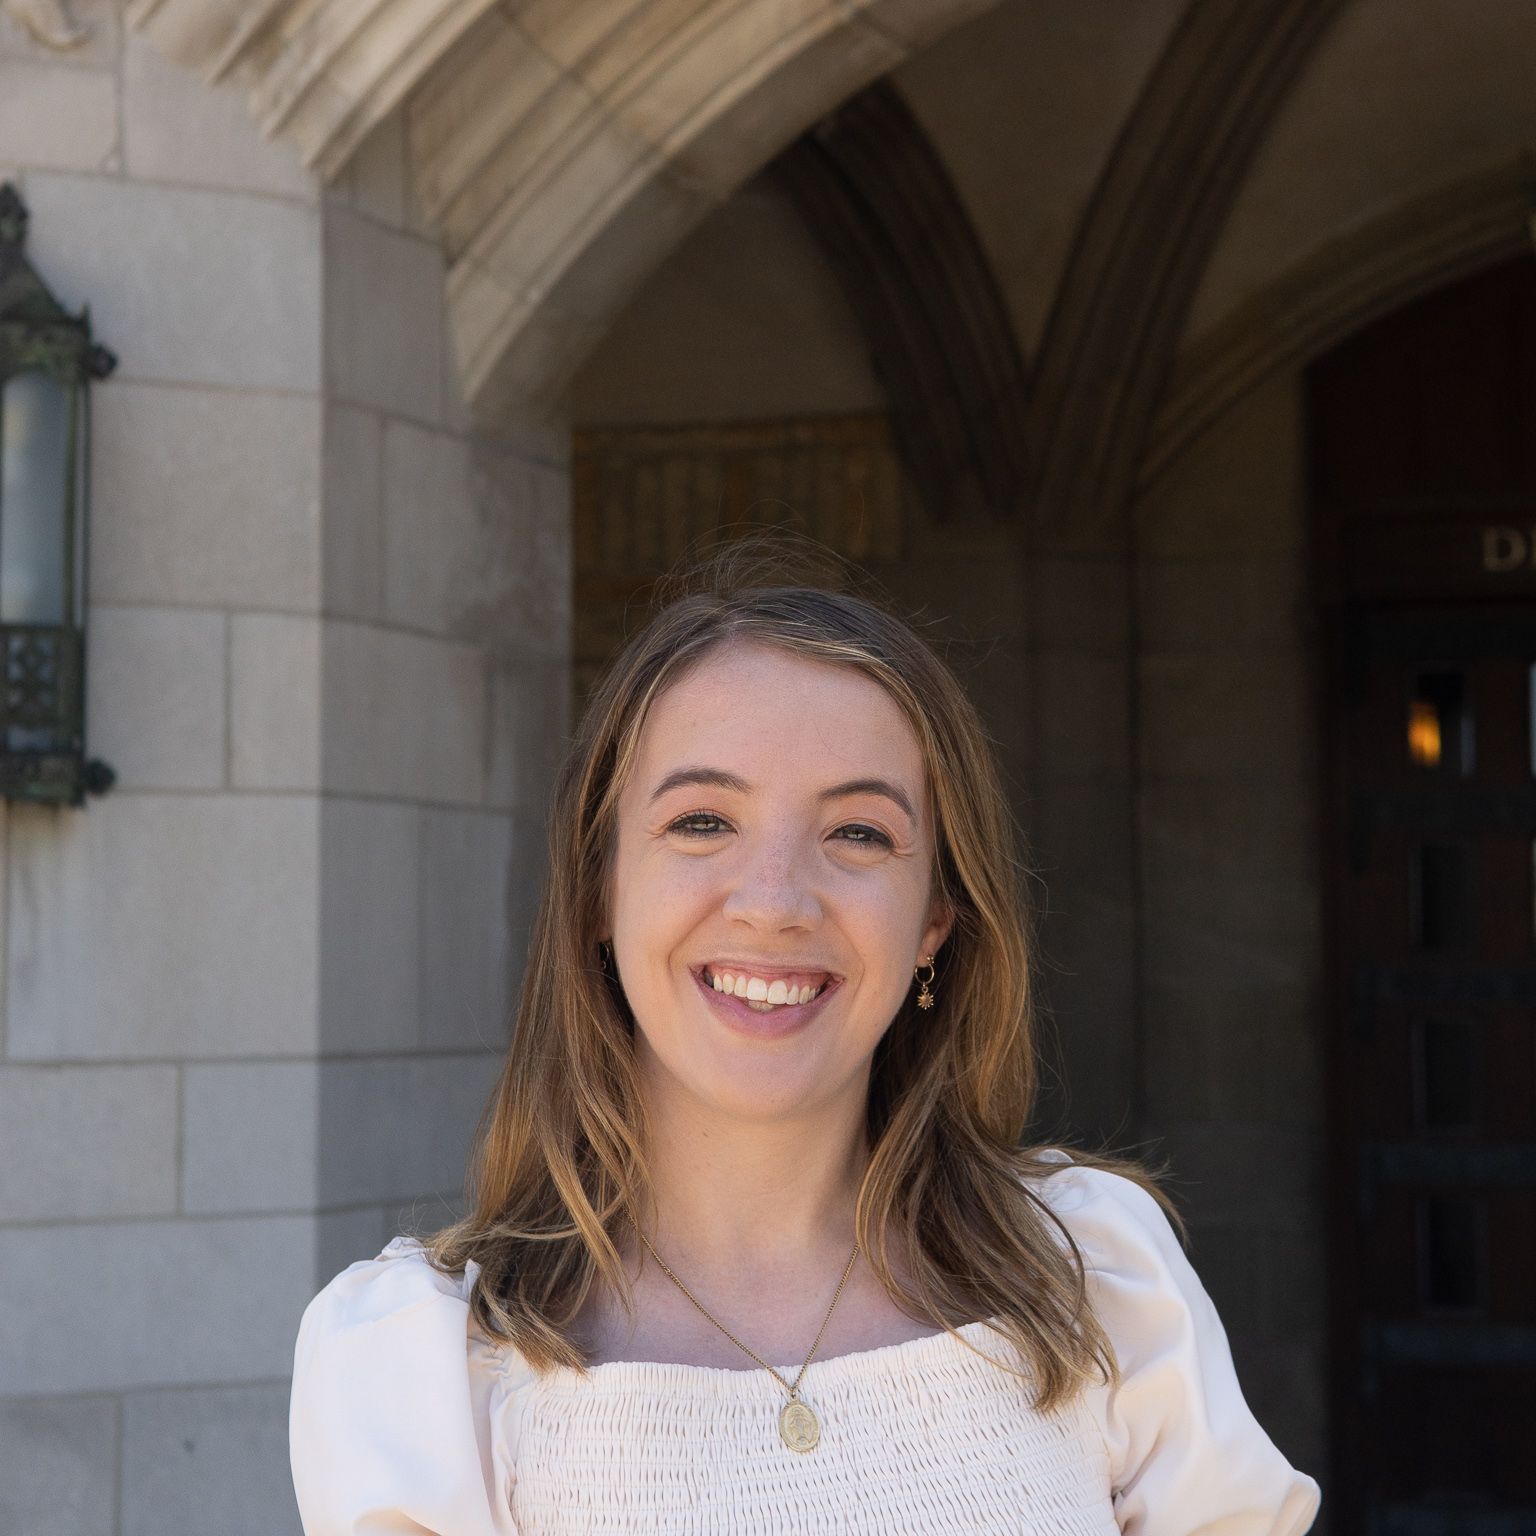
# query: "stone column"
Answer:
x=1231 y=891
x=1080 y=819
x=253 y=998
x=443 y=666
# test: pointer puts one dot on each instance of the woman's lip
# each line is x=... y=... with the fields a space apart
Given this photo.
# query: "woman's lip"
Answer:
x=783 y=1020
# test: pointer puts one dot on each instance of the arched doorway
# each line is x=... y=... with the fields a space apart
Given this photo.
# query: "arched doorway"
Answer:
x=1424 y=480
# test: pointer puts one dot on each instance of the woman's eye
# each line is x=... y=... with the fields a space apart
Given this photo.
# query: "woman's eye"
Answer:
x=698 y=824
x=864 y=836
x=701 y=824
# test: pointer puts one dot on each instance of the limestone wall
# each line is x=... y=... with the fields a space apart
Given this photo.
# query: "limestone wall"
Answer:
x=254 y=997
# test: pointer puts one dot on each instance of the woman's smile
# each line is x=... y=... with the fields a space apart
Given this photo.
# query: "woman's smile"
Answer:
x=764 y=1019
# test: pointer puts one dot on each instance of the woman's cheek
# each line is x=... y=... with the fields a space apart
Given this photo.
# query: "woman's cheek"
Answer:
x=686 y=877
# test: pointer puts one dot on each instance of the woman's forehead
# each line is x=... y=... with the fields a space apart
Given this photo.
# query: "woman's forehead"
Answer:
x=752 y=701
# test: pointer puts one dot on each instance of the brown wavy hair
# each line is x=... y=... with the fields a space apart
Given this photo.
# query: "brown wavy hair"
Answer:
x=558 y=1167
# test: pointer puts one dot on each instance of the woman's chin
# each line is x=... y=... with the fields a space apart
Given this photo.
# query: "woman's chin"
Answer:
x=759 y=1092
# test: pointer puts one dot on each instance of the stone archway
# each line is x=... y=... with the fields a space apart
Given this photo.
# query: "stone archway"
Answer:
x=560 y=150
x=1383 y=266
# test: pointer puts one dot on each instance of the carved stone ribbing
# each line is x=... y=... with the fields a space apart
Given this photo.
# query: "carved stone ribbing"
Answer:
x=878 y=199
x=597 y=147
x=1154 y=219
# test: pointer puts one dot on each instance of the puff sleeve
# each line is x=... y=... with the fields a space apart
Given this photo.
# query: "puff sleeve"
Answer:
x=389 y=1418
x=1187 y=1456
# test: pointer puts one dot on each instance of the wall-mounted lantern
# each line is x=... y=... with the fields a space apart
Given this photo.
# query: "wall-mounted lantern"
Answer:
x=47 y=361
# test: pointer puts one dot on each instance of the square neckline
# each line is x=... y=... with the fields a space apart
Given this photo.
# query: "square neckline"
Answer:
x=855 y=1363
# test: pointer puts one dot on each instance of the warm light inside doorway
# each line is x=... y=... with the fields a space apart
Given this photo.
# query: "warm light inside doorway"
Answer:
x=1424 y=733
x=1440 y=722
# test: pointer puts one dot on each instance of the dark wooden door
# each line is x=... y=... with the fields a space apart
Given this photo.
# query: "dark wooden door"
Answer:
x=1435 y=1071
x=1424 y=444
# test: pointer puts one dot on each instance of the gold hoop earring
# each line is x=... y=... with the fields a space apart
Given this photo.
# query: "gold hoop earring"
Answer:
x=925 y=998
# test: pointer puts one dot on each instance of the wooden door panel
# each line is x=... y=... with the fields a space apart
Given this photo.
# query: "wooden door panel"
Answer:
x=1471 y=1438
x=1435 y=1062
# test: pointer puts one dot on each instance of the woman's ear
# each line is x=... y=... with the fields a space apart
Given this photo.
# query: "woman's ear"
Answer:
x=940 y=921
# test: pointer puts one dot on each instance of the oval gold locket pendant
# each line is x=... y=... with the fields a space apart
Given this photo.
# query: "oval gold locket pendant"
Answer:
x=799 y=1428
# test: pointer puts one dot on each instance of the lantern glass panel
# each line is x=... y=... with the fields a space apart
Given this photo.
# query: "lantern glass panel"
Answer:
x=36 y=469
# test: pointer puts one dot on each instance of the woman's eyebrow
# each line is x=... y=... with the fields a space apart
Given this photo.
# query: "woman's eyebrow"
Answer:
x=720 y=778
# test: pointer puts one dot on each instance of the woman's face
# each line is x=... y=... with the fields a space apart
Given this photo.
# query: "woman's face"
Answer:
x=774 y=837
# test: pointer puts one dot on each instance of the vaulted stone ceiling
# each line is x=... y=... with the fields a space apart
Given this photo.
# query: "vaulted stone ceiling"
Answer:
x=1176 y=195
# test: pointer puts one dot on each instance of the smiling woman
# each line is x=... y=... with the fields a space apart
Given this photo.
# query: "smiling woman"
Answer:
x=810 y=864
x=754 y=1239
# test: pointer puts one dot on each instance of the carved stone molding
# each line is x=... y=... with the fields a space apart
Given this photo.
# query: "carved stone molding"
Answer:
x=562 y=148
x=321 y=73
x=1401 y=256
x=564 y=159
x=47 y=22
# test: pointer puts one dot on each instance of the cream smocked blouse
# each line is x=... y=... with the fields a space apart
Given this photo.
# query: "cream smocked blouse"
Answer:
x=404 y=1420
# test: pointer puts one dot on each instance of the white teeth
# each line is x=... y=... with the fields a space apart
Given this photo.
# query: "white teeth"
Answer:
x=763 y=995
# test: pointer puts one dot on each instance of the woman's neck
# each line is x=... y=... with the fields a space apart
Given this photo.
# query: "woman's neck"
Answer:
x=730 y=1194
x=756 y=1218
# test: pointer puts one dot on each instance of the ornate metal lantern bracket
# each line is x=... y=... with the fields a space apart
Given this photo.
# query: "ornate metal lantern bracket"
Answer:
x=48 y=360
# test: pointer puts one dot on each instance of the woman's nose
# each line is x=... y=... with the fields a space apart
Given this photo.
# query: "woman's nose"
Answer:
x=774 y=889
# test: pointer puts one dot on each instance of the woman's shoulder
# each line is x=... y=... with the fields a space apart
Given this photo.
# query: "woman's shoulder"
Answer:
x=1139 y=1279
x=393 y=1387
x=400 y=1303
x=397 y=1279
x=1185 y=1450
x=1098 y=1205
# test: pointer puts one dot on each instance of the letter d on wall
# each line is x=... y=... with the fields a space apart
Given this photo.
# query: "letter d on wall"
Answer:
x=1504 y=549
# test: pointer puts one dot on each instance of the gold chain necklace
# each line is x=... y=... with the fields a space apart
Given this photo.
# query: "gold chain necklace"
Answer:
x=799 y=1428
